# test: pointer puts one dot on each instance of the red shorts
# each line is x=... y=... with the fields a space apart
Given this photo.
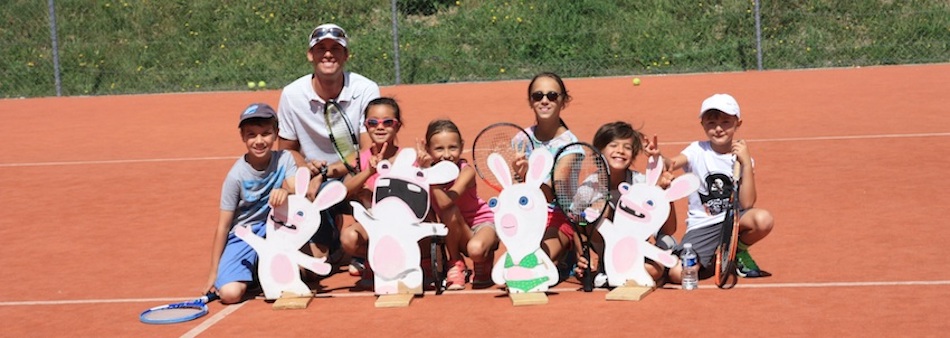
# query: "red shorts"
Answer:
x=557 y=218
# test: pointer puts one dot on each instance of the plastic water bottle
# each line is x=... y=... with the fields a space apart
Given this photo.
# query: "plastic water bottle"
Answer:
x=690 y=272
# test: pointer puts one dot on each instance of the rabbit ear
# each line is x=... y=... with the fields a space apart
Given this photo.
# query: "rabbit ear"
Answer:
x=442 y=172
x=682 y=186
x=500 y=168
x=331 y=194
x=302 y=180
x=654 y=170
x=539 y=166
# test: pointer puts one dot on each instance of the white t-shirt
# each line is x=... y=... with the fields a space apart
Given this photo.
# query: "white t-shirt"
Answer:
x=300 y=113
x=707 y=205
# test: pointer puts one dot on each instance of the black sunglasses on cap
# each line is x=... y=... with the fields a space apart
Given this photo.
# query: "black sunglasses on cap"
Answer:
x=552 y=96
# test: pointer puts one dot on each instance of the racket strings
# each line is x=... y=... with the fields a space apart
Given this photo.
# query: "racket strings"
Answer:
x=506 y=140
x=341 y=133
x=172 y=313
x=581 y=182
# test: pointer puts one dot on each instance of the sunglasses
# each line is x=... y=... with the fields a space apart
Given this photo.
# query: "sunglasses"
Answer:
x=537 y=96
x=373 y=123
x=333 y=32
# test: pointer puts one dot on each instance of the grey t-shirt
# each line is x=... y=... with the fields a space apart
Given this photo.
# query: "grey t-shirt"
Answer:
x=246 y=190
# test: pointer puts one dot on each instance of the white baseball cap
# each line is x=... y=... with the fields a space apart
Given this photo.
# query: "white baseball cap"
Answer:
x=721 y=102
x=328 y=31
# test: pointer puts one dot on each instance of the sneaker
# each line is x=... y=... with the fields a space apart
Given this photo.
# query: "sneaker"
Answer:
x=746 y=267
x=482 y=275
x=357 y=265
x=600 y=281
x=455 y=278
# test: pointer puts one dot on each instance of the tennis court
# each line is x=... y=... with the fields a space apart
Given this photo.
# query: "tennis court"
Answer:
x=111 y=204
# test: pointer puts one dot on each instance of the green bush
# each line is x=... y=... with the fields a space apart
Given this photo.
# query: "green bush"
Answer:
x=126 y=46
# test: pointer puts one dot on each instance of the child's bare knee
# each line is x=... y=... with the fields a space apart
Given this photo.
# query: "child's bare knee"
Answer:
x=232 y=292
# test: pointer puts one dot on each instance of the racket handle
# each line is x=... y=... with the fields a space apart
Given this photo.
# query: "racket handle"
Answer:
x=587 y=281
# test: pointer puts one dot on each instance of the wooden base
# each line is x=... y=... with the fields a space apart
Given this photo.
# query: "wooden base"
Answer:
x=528 y=298
x=394 y=300
x=630 y=292
x=291 y=301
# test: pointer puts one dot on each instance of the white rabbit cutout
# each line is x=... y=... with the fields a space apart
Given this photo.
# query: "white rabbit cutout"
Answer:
x=640 y=212
x=289 y=227
x=395 y=223
x=521 y=212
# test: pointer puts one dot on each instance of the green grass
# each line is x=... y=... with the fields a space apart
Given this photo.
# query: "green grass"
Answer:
x=116 y=47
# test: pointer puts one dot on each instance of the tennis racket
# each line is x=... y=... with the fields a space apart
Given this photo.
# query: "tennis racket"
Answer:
x=343 y=135
x=581 y=188
x=506 y=139
x=178 y=312
x=439 y=261
x=729 y=236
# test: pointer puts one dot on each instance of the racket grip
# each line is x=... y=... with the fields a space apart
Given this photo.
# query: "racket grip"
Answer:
x=587 y=281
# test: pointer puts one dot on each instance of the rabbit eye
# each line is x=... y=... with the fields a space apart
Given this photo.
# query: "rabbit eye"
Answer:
x=523 y=200
x=648 y=204
x=300 y=213
x=419 y=174
x=493 y=202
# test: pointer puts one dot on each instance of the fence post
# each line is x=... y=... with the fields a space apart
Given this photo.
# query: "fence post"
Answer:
x=395 y=40
x=52 y=32
x=758 y=35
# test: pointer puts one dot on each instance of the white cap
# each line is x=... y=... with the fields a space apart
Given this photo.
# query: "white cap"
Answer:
x=328 y=31
x=721 y=102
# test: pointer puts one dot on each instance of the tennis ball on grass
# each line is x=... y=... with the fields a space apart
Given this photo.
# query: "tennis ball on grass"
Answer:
x=636 y=81
x=251 y=84
x=262 y=84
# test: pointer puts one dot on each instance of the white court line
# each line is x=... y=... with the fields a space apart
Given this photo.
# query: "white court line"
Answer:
x=500 y=292
x=194 y=332
x=218 y=158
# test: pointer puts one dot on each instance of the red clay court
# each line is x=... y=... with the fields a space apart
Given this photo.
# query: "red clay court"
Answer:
x=111 y=204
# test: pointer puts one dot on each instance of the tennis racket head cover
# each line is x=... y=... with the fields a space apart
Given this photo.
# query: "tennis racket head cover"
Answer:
x=505 y=139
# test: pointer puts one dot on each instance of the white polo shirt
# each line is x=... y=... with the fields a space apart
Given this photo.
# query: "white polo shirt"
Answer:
x=300 y=113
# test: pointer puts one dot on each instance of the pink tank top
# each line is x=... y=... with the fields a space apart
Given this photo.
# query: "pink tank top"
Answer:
x=473 y=208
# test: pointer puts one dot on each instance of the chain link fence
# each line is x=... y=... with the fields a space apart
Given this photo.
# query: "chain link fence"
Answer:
x=72 y=47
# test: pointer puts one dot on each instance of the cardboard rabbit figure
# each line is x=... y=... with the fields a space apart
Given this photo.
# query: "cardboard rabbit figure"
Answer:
x=395 y=226
x=640 y=213
x=289 y=227
x=521 y=212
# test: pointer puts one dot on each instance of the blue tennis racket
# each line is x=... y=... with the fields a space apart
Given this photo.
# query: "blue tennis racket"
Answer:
x=178 y=312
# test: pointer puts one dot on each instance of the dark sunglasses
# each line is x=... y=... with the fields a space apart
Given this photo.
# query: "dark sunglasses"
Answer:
x=372 y=123
x=334 y=32
x=537 y=96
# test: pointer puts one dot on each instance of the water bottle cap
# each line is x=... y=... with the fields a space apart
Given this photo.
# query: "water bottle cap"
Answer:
x=688 y=246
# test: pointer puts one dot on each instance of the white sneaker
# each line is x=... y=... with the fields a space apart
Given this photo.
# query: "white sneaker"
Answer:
x=600 y=280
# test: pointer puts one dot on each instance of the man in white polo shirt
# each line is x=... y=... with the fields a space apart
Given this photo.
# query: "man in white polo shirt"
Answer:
x=302 y=125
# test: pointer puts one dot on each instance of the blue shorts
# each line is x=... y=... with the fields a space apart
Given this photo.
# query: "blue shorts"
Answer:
x=238 y=260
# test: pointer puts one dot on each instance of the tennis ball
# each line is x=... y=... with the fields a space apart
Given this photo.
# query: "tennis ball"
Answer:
x=262 y=84
x=636 y=81
x=251 y=84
